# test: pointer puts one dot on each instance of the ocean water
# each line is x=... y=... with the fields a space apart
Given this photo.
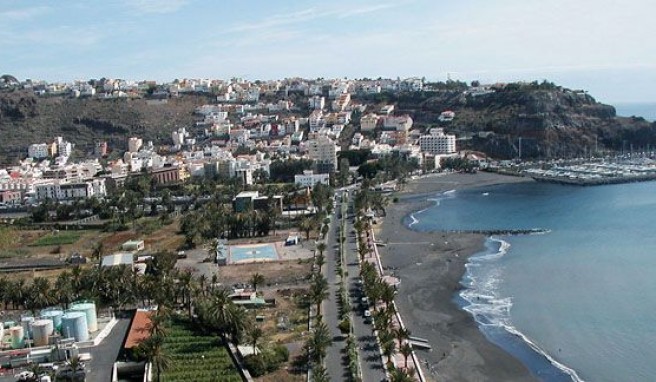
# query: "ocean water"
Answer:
x=646 y=110
x=575 y=303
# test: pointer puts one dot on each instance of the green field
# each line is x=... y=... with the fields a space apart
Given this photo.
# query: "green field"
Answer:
x=57 y=239
x=197 y=357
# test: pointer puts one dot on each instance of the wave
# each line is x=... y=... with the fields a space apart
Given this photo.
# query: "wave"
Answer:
x=436 y=200
x=489 y=309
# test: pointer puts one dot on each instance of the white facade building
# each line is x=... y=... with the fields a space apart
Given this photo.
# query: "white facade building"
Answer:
x=310 y=179
x=71 y=190
x=323 y=151
x=134 y=144
x=369 y=122
x=437 y=142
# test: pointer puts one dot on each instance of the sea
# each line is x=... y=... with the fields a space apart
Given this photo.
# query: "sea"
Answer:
x=646 y=110
x=574 y=303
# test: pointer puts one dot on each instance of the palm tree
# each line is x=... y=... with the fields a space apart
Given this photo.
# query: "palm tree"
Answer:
x=257 y=279
x=98 y=250
x=306 y=225
x=320 y=261
x=319 y=341
x=39 y=295
x=255 y=334
x=63 y=289
x=319 y=290
x=154 y=352
x=321 y=247
x=319 y=373
x=401 y=334
x=387 y=294
x=75 y=368
x=406 y=351
x=157 y=324
x=398 y=375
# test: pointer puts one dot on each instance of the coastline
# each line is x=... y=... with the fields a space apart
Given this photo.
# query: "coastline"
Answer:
x=431 y=267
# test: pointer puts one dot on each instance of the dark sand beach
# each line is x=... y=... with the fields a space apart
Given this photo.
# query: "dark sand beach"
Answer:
x=431 y=266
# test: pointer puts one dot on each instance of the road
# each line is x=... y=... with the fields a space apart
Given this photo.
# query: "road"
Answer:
x=335 y=355
x=368 y=351
x=103 y=356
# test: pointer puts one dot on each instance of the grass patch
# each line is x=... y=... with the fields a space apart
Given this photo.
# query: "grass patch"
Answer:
x=60 y=238
x=196 y=357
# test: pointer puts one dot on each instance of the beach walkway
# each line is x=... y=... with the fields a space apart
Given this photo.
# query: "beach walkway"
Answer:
x=398 y=359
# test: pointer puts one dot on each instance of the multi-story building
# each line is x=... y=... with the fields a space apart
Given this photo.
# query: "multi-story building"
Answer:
x=71 y=190
x=437 y=142
x=37 y=150
x=317 y=103
x=134 y=144
x=310 y=179
x=369 y=122
x=172 y=174
x=64 y=148
x=323 y=151
x=399 y=123
x=100 y=149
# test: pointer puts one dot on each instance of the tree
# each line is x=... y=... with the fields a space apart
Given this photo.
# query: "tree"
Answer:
x=153 y=350
x=406 y=351
x=257 y=279
x=255 y=334
x=98 y=250
x=306 y=225
x=318 y=342
x=318 y=290
x=319 y=373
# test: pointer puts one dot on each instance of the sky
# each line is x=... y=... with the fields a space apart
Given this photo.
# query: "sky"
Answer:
x=603 y=46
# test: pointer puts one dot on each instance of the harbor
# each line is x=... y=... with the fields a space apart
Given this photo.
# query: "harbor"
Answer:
x=592 y=174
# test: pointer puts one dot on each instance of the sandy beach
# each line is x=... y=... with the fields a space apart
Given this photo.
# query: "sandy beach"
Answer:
x=431 y=266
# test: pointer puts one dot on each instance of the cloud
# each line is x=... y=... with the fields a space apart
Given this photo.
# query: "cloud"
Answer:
x=368 y=9
x=156 y=6
x=23 y=13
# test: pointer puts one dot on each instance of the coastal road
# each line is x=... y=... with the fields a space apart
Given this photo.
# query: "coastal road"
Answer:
x=368 y=350
x=334 y=361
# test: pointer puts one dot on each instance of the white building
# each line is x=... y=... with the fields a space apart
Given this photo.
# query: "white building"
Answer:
x=71 y=190
x=310 y=179
x=317 y=103
x=437 y=142
x=37 y=150
x=134 y=144
x=323 y=151
x=400 y=123
x=369 y=122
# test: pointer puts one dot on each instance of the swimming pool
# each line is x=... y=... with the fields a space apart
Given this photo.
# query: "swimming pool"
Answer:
x=252 y=253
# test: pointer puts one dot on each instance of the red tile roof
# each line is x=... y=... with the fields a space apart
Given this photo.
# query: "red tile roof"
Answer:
x=139 y=329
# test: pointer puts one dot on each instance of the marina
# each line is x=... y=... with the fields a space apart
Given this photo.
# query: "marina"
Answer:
x=592 y=174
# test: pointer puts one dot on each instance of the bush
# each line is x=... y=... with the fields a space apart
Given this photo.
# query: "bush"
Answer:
x=267 y=361
x=344 y=325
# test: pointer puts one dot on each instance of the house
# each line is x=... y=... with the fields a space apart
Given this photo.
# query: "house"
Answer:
x=133 y=245
x=251 y=200
x=246 y=298
x=310 y=179
x=118 y=258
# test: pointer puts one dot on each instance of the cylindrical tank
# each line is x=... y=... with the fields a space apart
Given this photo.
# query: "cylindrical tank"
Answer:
x=41 y=330
x=55 y=315
x=26 y=323
x=89 y=309
x=17 y=337
x=74 y=324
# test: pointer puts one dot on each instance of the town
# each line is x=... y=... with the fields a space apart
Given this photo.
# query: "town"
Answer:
x=240 y=247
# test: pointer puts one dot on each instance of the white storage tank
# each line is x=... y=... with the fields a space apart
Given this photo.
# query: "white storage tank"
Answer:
x=89 y=309
x=74 y=324
x=17 y=337
x=26 y=323
x=41 y=330
x=55 y=315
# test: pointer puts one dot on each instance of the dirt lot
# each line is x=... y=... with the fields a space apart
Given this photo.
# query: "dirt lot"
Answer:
x=274 y=272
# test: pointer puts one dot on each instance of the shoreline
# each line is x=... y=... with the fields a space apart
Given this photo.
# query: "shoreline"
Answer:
x=431 y=266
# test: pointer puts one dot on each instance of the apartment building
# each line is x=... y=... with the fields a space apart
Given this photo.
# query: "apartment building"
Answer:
x=437 y=142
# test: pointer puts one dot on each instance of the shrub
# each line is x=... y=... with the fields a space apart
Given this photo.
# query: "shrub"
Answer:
x=267 y=361
x=344 y=325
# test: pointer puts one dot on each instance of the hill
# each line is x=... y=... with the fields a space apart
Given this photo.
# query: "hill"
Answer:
x=26 y=118
x=550 y=120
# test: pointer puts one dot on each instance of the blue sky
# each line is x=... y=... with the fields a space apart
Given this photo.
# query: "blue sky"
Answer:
x=604 y=46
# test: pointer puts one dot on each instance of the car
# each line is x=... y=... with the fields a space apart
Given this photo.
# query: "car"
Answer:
x=367 y=313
